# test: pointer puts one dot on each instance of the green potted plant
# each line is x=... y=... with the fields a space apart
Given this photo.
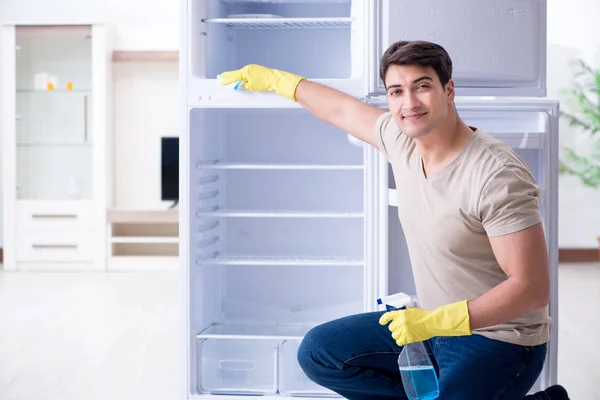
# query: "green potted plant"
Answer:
x=584 y=100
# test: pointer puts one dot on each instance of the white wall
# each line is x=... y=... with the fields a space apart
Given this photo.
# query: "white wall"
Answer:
x=572 y=33
x=141 y=24
x=146 y=108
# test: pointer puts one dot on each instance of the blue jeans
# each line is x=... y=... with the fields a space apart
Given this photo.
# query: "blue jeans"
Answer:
x=358 y=358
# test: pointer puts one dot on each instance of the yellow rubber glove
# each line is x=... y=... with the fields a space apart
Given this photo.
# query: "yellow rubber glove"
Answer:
x=416 y=325
x=259 y=78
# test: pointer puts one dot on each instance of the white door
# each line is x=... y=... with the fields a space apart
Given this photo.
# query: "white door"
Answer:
x=531 y=129
x=498 y=48
x=325 y=41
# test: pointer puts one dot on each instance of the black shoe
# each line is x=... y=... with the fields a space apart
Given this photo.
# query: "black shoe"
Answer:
x=557 y=392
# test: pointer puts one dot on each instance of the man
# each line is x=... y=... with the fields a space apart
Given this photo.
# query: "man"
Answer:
x=469 y=210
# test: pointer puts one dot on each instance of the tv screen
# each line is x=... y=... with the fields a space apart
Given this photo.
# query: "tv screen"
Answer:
x=170 y=168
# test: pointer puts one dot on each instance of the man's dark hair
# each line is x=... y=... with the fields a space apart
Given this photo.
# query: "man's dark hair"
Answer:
x=418 y=52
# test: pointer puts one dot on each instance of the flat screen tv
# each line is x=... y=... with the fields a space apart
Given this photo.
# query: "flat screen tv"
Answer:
x=169 y=171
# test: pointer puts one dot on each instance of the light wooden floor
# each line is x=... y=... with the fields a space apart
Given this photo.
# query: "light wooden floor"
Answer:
x=116 y=336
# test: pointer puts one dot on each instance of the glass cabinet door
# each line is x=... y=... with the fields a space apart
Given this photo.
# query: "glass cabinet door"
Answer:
x=53 y=105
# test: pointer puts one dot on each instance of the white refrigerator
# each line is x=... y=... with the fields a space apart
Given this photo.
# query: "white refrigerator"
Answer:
x=285 y=221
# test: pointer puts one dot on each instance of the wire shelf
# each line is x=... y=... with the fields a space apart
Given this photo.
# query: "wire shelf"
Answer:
x=277 y=214
x=274 y=166
x=289 y=1
x=282 y=23
x=279 y=261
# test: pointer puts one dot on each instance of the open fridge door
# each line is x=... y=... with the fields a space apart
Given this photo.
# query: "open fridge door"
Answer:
x=530 y=128
x=497 y=48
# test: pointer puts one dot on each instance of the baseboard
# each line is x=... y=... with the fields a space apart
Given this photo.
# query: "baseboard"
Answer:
x=578 y=255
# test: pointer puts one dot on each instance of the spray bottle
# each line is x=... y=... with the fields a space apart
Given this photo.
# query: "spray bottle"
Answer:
x=418 y=375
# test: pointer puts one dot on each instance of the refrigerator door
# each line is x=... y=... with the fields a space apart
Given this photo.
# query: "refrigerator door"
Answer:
x=531 y=129
x=497 y=48
x=325 y=41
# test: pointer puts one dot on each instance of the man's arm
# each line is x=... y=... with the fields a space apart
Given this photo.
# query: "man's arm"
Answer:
x=524 y=258
x=339 y=109
x=511 y=217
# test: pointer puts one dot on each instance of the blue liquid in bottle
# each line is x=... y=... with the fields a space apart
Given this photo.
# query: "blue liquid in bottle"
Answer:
x=420 y=382
x=418 y=375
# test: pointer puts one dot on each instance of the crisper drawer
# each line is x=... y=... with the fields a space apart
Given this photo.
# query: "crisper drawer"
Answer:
x=498 y=48
x=54 y=215
x=237 y=366
x=64 y=246
x=292 y=380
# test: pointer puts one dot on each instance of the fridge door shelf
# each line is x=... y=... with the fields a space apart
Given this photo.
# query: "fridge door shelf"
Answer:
x=497 y=49
x=324 y=41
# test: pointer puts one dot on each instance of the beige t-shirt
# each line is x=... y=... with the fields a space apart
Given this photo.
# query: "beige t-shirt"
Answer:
x=447 y=218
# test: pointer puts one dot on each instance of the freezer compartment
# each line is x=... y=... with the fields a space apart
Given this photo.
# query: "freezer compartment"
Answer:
x=251 y=299
x=268 y=138
x=237 y=366
x=290 y=35
x=293 y=381
x=323 y=40
x=497 y=48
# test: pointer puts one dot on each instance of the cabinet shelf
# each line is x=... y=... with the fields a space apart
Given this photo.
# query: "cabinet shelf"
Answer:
x=282 y=23
x=58 y=144
x=280 y=261
x=53 y=92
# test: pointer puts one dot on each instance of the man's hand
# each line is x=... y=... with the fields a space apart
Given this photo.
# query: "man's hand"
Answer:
x=416 y=325
x=261 y=79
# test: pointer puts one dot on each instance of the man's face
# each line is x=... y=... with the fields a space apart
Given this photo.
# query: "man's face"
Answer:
x=416 y=98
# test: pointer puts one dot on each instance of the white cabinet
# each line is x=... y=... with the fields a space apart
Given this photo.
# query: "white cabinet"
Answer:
x=55 y=122
x=284 y=222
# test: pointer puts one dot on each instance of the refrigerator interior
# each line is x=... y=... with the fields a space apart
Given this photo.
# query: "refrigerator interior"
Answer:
x=287 y=35
x=527 y=132
x=277 y=238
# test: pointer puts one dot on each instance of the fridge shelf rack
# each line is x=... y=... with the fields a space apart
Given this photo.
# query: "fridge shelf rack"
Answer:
x=217 y=165
x=253 y=331
x=288 y=1
x=276 y=214
x=282 y=23
x=279 y=261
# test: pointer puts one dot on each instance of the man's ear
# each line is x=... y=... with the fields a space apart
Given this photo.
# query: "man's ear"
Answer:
x=450 y=91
